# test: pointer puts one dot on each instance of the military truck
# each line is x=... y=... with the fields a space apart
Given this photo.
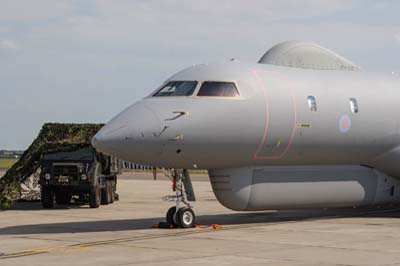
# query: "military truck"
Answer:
x=87 y=175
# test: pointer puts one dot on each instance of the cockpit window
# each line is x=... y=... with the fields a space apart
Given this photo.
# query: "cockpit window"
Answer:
x=218 y=89
x=177 y=88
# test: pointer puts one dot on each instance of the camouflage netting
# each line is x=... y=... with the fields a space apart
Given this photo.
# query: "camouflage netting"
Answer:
x=52 y=138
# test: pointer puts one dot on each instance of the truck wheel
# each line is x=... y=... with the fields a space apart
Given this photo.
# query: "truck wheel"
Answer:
x=112 y=191
x=63 y=197
x=95 y=197
x=105 y=194
x=47 y=198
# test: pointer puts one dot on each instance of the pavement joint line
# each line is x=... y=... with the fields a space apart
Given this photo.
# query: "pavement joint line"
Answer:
x=293 y=260
x=159 y=248
x=296 y=246
x=39 y=250
x=301 y=261
x=201 y=252
x=21 y=254
x=47 y=239
x=182 y=259
x=390 y=264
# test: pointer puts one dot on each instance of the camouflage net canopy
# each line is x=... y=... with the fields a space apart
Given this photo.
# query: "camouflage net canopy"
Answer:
x=52 y=138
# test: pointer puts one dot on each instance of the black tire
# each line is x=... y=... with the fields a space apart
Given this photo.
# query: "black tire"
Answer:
x=95 y=197
x=185 y=217
x=170 y=215
x=112 y=191
x=47 y=197
x=63 y=197
x=105 y=194
x=109 y=192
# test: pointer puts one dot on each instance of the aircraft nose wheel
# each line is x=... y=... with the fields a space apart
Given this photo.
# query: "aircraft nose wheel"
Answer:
x=170 y=215
x=184 y=218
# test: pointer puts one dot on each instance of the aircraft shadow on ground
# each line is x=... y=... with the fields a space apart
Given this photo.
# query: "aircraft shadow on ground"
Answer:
x=251 y=218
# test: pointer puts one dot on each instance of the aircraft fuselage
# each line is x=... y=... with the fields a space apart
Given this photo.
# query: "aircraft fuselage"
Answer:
x=271 y=122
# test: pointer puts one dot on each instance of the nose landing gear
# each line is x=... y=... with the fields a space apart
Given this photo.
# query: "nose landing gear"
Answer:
x=181 y=215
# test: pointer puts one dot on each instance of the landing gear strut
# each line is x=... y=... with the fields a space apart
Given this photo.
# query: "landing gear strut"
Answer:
x=181 y=215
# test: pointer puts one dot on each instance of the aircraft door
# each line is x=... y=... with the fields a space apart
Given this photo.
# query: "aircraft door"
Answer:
x=280 y=116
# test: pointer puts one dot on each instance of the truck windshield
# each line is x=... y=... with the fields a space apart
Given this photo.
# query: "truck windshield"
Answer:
x=86 y=154
x=177 y=88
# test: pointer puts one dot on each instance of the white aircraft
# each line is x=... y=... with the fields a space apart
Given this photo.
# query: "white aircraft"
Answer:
x=304 y=127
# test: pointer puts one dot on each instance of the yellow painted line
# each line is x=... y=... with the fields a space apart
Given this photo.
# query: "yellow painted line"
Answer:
x=85 y=246
x=43 y=248
x=71 y=249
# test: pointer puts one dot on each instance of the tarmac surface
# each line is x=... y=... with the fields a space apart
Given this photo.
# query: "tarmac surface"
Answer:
x=121 y=234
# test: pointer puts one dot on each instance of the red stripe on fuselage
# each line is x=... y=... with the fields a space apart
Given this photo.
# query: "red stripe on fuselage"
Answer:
x=256 y=155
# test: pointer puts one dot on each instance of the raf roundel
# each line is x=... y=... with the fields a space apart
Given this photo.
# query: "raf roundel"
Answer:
x=344 y=123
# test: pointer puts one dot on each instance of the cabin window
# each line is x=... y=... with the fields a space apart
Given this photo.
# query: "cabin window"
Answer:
x=177 y=88
x=218 y=89
x=354 y=105
x=312 y=103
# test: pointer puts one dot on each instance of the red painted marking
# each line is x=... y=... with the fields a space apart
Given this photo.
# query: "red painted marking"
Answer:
x=344 y=123
x=174 y=182
x=293 y=98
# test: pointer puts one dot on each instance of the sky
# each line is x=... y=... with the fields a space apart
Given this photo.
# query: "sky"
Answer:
x=86 y=60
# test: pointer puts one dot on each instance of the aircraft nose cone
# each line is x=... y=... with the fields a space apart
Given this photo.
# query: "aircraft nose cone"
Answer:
x=98 y=141
x=128 y=131
x=104 y=143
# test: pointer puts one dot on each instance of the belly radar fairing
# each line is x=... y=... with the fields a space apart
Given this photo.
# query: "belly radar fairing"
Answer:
x=304 y=127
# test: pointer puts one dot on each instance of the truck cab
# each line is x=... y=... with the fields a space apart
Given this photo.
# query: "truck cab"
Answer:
x=84 y=173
